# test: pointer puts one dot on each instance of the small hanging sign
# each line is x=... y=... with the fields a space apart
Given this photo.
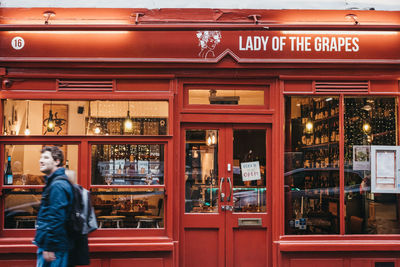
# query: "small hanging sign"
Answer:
x=250 y=171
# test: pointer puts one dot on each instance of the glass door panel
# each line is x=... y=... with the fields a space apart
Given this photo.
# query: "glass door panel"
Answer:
x=249 y=163
x=201 y=171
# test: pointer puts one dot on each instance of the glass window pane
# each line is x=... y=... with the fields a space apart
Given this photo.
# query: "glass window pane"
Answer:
x=226 y=97
x=24 y=163
x=129 y=208
x=368 y=121
x=21 y=207
x=128 y=164
x=312 y=165
x=249 y=191
x=62 y=117
x=201 y=172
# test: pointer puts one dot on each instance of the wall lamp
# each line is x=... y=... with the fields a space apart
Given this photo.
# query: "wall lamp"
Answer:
x=353 y=18
x=48 y=15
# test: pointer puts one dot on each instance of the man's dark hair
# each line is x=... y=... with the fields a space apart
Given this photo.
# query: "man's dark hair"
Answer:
x=56 y=153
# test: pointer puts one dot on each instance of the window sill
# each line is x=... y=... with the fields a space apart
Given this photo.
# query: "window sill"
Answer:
x=338 y=245
x=24 y=245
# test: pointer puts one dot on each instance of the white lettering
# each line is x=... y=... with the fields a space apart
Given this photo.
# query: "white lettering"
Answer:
x=291 y=38
x=317 y=44
x=348 y=44
x=265 y=41
x=282 y=42
x=325 y=44
x=249 y=43
x=355 y=43
x=257 y=43
x=340 y=43
x=240 y=44
x=307 y=44
x=275 y=43
x=333 y=46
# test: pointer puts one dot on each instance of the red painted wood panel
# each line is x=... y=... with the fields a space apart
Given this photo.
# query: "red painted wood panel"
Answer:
x=361 y=262
x=201 y=248
x=95 y=263
x=29 y=84
x=250 y=247
x=298 y=86
x=382 y=86
x=18 y=263
x=316 y=262
x=143 y=85
x=152 y=262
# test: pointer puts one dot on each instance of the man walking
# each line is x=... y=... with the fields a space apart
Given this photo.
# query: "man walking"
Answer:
x=51 y=234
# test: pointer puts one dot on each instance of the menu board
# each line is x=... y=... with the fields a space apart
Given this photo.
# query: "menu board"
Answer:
x=384 y=171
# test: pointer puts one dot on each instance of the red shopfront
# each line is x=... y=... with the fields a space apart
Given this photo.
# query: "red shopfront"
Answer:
x=226 y=141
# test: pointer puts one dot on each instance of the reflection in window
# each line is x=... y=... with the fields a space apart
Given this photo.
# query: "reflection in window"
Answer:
x=23 y=160
x=21 y=207
x=201 y=172
x=368 y=121
x=129 y=208
x=128 y=164
x=44 y=117
x=312 y=165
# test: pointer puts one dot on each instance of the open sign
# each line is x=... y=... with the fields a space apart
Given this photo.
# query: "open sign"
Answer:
x=251 y=171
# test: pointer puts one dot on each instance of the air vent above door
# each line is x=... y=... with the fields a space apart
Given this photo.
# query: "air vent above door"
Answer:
x=85 y=85
x=341 y=86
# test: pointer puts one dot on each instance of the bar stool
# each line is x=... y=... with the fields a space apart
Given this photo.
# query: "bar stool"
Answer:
x=112 y=219
x=153 y=220
x=19 y=220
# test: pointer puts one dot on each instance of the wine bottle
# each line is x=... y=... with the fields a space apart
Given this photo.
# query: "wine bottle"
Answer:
x=67 y=164
x=8 y=176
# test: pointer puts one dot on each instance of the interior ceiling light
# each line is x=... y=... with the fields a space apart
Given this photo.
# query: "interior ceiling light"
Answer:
x=27 y=131
x=48 y=15
x=128 y=121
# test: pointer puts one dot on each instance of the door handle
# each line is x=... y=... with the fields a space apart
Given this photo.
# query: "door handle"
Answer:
x=220 y=189
x=230 y=189
x=227 y=207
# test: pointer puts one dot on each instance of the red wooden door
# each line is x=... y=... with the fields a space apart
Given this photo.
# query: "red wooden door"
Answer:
x=227 y=170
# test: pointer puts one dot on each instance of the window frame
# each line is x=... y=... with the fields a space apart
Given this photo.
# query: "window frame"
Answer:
x=84 y=157
x=342 y=231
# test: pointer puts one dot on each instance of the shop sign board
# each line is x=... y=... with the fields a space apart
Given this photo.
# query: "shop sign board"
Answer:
x=200 y=46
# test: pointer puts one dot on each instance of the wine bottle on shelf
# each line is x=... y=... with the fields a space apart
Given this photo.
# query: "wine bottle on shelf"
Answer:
x=8 y=176
x=67 y=164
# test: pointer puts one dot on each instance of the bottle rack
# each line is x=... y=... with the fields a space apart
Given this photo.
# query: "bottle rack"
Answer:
x=320 y=145
x=128 y=164
x=140 y=126
x=379 y=113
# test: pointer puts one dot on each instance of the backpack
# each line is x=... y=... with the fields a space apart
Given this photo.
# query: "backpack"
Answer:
x=82 y=219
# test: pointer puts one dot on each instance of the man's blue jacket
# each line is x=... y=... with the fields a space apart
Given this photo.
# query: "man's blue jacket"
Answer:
x=55 y=207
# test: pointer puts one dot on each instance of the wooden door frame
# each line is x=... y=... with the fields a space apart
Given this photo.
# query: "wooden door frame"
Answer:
x=225 y=129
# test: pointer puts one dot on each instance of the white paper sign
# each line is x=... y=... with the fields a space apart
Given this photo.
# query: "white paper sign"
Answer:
x=385 y=162
x=250 y=171
x=361 y=158
x=143 y=166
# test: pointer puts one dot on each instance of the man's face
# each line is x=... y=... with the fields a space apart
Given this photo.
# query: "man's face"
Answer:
x=47 y=164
